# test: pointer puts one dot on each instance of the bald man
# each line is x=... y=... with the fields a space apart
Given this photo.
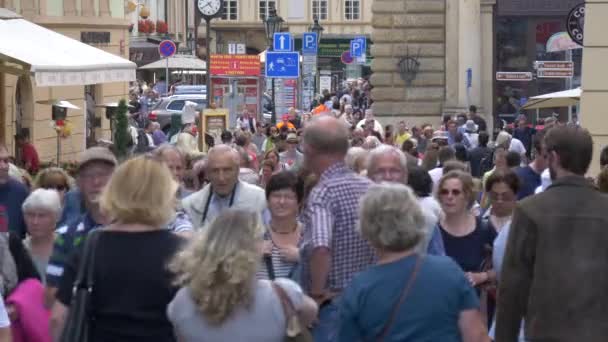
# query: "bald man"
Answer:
x=334 y=250
x=224 y=189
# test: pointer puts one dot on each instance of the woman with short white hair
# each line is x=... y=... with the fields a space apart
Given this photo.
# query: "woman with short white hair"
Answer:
x=356 y=159
x=41 y=211
x=406 y=296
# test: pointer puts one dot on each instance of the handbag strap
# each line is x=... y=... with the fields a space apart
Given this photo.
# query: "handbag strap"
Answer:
x=404 y=293
x=269 y=266
x=86 y=269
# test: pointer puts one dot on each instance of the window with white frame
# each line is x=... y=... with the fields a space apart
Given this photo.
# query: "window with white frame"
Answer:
x=319 y=9
x=230 y=10
x=264 y=8
x=352 y=9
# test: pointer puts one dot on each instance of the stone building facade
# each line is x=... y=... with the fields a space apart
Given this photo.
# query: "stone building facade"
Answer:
x=447 y=37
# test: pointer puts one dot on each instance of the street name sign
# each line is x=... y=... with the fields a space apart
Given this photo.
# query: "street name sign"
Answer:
x=282 y=42
x=282 y=64
x=514 y=76
x=555 y=73
x=309 y=43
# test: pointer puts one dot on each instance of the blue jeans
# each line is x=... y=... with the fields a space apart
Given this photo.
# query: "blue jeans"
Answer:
x=326 y=329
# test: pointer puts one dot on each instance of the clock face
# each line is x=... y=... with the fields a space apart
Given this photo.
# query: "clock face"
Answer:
x=209 y=7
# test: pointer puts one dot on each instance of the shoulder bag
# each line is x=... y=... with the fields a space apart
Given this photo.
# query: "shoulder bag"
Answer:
x=402 y=297
x=77 y=326
x=295 y=331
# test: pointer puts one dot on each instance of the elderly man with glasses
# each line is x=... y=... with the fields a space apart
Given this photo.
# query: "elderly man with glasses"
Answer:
x=388 y=164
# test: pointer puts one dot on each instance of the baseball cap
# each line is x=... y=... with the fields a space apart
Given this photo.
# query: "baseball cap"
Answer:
x=97 y=153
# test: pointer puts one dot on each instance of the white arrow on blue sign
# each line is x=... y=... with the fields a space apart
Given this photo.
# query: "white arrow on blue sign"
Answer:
x=309 y=43
x=282 y=42
x=283 y=64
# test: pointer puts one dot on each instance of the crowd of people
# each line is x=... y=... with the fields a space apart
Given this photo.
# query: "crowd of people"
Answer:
x=324 y=228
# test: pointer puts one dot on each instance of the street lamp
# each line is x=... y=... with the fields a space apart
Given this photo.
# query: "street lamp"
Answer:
x=317 y=28
x=272 y=24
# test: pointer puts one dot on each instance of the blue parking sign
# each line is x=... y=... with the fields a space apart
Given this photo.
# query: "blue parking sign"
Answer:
x=309 y=43
x=356 y=48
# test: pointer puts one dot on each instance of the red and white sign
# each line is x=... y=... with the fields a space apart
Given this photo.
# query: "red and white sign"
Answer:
x=514 y=76
x=234 y=65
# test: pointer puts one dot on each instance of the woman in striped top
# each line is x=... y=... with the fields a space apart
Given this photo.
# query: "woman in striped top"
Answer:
x=284 y=233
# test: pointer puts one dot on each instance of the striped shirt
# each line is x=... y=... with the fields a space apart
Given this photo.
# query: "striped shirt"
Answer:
x=330 y=220
x=281 y=267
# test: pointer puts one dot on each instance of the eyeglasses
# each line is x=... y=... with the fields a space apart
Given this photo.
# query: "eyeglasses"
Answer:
x=454 y=192
x=286 y=196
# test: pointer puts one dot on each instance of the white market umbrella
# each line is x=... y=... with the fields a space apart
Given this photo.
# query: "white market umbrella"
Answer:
x=564 y=98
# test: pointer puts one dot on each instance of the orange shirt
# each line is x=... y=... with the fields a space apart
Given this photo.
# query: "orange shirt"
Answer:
x=289 y=125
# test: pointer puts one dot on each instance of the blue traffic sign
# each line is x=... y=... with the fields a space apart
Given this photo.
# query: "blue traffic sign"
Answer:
x=166 y=48
x=309 y=43
x=356 y=48
x=283 y=64
x=282 y=42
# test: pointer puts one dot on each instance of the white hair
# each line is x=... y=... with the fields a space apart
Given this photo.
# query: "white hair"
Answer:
x=353 y=156
x=372 y=142
x=43 y=199
x=384 y=150
x=391 y=218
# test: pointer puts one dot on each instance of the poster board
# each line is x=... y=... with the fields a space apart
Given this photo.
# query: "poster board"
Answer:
x=215 y=121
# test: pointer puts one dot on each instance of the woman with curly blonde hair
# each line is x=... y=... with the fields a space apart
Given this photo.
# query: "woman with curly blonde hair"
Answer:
x=220 y=298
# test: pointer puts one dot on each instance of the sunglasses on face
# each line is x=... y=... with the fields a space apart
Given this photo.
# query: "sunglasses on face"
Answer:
x=454 y=192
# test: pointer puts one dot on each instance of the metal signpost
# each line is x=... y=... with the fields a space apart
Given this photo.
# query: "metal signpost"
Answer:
x=310 y=48
x=167 y=49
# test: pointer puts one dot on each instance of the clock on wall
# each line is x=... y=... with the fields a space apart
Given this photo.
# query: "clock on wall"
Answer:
x=210 y=8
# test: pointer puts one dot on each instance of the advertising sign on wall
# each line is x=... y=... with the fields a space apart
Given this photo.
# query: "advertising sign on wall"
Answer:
x=234 y=65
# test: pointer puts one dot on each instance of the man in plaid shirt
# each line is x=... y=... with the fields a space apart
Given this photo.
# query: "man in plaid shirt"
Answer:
x=334 y=251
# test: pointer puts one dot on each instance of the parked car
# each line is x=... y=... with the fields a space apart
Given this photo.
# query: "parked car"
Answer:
x=190 y=89
x=175 y=105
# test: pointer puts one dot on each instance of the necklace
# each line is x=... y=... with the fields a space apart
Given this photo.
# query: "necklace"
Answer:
x=284 y=233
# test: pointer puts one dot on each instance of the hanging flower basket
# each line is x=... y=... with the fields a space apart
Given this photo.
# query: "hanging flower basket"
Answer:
x=162 y=27
x=146 y=26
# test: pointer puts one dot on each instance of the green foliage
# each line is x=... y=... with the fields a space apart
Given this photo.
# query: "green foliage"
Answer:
x=122 y=136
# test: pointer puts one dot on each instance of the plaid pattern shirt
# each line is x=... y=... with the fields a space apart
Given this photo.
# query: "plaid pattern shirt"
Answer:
x=330 y=220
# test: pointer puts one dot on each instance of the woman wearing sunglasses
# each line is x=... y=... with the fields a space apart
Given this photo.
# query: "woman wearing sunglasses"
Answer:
x=465 y=237
x=54 y=178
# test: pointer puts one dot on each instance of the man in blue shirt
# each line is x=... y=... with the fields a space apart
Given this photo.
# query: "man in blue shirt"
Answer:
x=530 y=175
x=12 y=195
x=95 y=169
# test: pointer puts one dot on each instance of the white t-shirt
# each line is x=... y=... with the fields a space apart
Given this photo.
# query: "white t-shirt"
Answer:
x=517 y=146
x=436 y=175
x=4 y=321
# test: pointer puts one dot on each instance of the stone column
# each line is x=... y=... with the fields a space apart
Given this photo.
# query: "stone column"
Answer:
x=486 y=100
x=463 y=31
x=69 y=8
x=8 y=4
x=104 y=8
x=88 y=9
x=28 y=8
x=595 y=89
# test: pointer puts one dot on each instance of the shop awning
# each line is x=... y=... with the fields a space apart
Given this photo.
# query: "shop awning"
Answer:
x=182 y=62
x=54 y=59
x=564 y=98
